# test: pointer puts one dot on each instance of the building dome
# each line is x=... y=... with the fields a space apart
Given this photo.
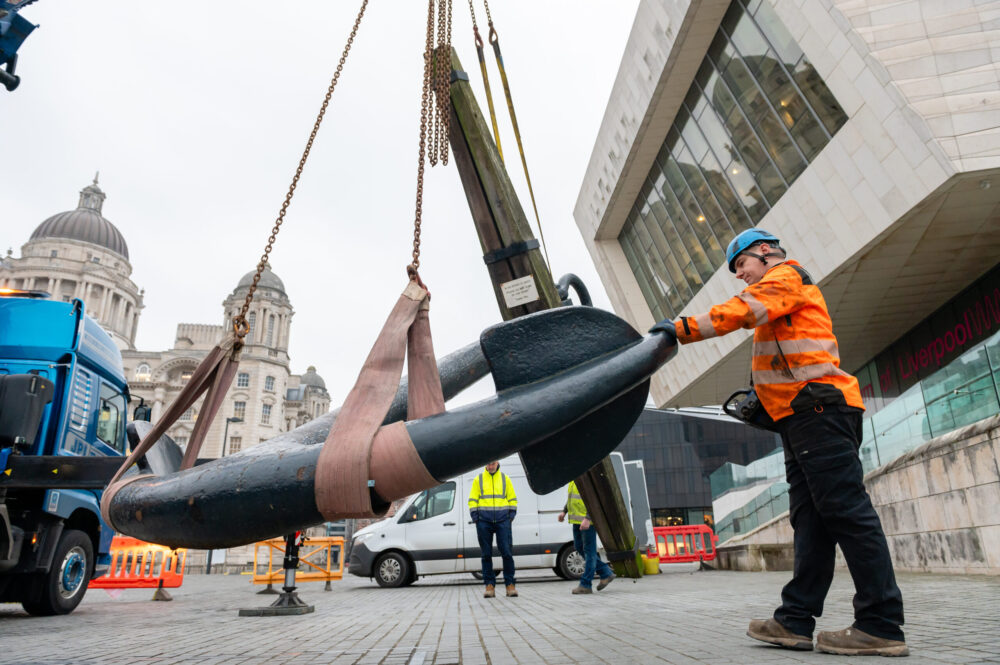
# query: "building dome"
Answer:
x=268 y=280
x=85 y=223
x=311 y=378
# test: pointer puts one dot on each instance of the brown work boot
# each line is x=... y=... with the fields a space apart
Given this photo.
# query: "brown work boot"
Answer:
x=854 y=642
x=511 y=591
x=772 y=632
x=605 y=581
x=582 y=589
x=489 y=593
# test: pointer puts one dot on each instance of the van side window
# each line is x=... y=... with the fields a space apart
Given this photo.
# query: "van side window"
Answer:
x=111 y=419
x=431 y=503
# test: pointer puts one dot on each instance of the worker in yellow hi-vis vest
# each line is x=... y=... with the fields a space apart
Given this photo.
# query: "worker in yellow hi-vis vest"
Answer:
x=493 y=506
x=585 y=541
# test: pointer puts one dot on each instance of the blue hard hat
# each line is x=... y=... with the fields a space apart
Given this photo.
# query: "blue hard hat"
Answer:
x=744 y=241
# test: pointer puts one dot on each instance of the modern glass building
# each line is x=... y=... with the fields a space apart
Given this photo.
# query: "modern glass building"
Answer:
x=867 y=140
x=680 y=450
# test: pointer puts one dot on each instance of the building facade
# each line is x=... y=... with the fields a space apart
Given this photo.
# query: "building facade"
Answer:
x=864 y=135
x=680 y=450
x=80 y=254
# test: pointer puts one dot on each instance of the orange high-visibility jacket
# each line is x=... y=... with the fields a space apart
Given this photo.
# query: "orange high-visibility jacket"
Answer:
x=796 y=363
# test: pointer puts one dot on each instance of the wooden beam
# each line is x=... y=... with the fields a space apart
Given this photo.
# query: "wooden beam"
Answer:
x=501 y=224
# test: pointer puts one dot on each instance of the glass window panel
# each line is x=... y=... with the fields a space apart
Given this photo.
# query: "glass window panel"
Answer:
x=692 y=137
x=710 y=210
x=655 y=223
x=747 y=39
x=820 y=98
x=719 y=184
x=696 y=220
x=738 y=129
x=993 y=355
x=758 y=111
x=961 y=393
x=771 y=183
x=808 y=134
x=747 y=190
x=635 y=260
x=902 y=425
x=776 y=33
x=645 y=241
x=698 y=262
x=675 y=255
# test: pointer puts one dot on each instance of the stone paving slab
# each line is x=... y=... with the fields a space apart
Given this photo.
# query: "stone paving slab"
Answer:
x=682 y=616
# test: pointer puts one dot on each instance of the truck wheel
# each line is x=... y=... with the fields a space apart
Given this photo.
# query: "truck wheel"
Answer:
x=569 y=565
x=61 y=589
x=392 y=570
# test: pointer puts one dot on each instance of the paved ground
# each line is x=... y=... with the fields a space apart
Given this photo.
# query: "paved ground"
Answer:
x=681 y=616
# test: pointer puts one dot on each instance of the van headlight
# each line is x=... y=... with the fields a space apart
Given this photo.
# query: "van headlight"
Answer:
x=360 y=538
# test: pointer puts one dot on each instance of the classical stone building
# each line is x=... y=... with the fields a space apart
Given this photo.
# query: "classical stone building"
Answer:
x=80 y=254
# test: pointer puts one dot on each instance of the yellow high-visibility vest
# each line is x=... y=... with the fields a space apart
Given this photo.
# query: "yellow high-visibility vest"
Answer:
x=575 y=508
x=492 y=492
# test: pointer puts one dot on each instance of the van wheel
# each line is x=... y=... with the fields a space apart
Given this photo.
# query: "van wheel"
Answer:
x=392 y=570
x=569 y=565
x=61 y=589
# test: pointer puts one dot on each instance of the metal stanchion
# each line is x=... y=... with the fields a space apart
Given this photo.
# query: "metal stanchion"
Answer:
x=288 y=602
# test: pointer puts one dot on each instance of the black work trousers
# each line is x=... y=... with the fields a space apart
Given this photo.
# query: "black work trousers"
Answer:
x=828 y=506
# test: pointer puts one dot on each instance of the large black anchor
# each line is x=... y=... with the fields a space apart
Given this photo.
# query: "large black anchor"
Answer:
x=570 y=384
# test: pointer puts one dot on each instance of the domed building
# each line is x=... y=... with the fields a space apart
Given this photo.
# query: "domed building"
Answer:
x=81 y=254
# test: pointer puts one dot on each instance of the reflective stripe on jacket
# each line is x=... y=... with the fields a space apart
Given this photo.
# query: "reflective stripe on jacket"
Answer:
x=575 y=508
x=796 y=361
x=492 y=494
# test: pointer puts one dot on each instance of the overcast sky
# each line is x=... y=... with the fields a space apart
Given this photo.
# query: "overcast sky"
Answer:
x=196 y=120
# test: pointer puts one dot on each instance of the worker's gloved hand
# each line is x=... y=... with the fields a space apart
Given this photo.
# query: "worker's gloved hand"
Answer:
x=474 y=514
x=666 y=326
x=512 y=514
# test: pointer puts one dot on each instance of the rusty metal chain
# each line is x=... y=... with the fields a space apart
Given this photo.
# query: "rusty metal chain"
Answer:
x=240 y=324
x=472 y=10
x=435 y=108
x=489 y=21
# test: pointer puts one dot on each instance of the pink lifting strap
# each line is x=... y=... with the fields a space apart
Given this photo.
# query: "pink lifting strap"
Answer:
x=213 y=376
x=343 y=470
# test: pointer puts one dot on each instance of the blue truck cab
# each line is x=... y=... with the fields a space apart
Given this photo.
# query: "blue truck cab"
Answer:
x=63 y=400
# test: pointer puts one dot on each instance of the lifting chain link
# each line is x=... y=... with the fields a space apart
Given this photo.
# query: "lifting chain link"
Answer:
x=435 y=108
x=240 y=324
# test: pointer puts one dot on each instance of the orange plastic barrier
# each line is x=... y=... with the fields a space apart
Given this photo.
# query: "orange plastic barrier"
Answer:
x=136 y=564
x=323 y=559
x=680 y=544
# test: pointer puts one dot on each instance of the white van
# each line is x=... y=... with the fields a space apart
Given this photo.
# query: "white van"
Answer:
x=432 y=534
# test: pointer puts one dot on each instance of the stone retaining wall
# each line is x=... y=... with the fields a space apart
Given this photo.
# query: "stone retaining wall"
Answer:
x=939 y=505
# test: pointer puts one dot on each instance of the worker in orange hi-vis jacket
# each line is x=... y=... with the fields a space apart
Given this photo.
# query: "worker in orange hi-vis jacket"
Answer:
x=816 y=408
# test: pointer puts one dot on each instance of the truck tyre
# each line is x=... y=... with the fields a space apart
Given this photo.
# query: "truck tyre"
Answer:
x=392 y=570
x=61 y=589
x=569 y=565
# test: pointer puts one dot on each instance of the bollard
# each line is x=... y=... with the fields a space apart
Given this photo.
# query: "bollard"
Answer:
x=288 y=603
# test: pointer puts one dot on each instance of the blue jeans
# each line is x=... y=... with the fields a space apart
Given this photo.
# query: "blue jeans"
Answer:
x=505 y=544
x=829 y=506
x=585 y=541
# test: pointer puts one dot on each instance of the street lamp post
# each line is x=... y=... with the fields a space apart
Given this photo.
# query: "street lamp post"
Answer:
x=225 y=442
